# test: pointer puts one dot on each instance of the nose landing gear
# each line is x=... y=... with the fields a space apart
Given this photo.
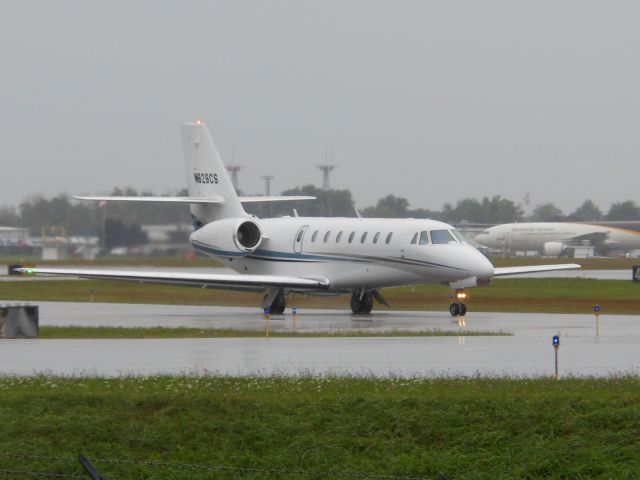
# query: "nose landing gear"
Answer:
x=458 y=308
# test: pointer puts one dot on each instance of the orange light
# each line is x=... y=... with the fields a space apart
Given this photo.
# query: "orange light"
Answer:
x=198 y=122
x=461 y=295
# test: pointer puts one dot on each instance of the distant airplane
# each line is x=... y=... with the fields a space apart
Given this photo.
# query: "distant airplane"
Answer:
x=323 y=256
x=555 y=239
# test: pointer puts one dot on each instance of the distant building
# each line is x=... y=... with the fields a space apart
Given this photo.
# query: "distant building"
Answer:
x=13 y=236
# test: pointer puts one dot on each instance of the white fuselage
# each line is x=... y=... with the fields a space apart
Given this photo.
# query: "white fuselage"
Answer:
x=534 y=235
x=355 y=252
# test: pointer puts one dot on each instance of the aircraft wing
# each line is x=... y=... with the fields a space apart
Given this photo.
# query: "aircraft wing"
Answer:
x=594 y=237
x=202 y=280
x=504 y=271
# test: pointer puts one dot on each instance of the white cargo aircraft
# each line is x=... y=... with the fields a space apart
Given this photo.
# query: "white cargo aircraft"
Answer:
x=324 y=256
x=555 y=239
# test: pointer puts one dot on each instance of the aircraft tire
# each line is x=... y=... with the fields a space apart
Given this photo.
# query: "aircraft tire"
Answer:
x=362 y=306
x=278 y=306
x=281 y=307
x=463 y=310
x=366 y=303
x=454 y=309
x=355 y=304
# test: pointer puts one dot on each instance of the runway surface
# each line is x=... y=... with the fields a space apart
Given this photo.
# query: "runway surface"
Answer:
x=528 y=352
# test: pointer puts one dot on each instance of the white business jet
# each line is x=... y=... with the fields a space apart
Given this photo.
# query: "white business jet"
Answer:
x=356 y=256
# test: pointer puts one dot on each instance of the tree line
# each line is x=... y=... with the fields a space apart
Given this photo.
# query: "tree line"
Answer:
x=91 y=219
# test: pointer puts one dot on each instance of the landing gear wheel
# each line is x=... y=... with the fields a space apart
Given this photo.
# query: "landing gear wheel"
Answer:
x=366 y=303
x=362 y=304
x=355 y=304
x=457 y=309
x=278 y=305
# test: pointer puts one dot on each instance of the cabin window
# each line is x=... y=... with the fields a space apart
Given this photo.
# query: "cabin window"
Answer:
x=326 y=236
x=389 y=238
x=376 y=237
x=314 y=236
x=414 y=240
x=339 y=236
x=364 y=237
x=351 y=235
x=424 y=238
x=439 y=237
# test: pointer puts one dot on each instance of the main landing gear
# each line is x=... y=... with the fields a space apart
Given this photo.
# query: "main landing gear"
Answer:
x=361 y=302
x=458 y=308
x=274 y=300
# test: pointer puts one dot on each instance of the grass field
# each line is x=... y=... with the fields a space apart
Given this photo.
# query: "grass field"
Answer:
x=163 y=332
x=464 y=428
x=513 y=295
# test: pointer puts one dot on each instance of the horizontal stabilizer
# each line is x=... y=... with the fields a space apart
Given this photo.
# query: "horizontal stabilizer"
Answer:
x=195 y=200
x=213 y=280
x=214 y=200
x=279 y=198
x=504 y=271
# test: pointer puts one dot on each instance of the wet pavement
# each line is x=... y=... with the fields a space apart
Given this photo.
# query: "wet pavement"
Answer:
x=527 y=352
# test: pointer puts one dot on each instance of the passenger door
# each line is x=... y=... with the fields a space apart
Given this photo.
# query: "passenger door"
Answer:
x=299 y=238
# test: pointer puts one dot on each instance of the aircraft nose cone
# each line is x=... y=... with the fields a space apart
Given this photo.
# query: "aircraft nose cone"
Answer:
x=483 y=268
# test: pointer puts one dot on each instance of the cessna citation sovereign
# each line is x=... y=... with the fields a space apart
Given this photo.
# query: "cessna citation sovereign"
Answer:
x=329 y=256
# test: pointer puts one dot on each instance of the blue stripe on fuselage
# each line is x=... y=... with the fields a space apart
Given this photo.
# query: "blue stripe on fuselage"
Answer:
x=269 y=255
x=273 y=256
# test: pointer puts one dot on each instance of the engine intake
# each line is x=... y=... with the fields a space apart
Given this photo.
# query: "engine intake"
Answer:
x=248 y=235
x=553 y=249
x=231 y=237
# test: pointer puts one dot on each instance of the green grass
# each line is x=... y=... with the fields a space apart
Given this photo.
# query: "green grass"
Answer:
x=506 y=295
x=163 y=332
x=465 y=428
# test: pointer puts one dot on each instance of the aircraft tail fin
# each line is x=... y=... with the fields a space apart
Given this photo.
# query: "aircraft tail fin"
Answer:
x=207 y=177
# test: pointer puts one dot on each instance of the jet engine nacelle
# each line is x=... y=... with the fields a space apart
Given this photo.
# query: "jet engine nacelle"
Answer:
x=230 y=236
x=553 y=249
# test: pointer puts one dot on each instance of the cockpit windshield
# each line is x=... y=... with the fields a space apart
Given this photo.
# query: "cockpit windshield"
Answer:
x=439 y=237
x=458 y=234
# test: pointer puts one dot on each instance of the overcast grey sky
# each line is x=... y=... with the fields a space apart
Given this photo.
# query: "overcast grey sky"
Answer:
x=433 y=101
